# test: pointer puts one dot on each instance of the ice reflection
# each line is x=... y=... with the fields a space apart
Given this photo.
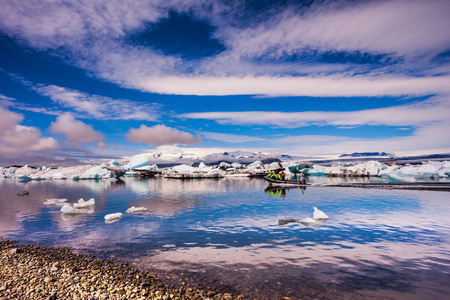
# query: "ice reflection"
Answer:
x=228 y=222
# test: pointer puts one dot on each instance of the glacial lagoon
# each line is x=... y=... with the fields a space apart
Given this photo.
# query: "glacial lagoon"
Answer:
x=225 y=234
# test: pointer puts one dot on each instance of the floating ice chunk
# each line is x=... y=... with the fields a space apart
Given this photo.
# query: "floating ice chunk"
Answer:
x=306 y=221
x=110 y=218
x=256 y=164
x=83 y=204
x=184 y=169
x=114 y=163
x=137 y=161
x=236 y=165
x=68 y=209
x=56 y=202
x=96 y=172
x=23 y=177
x=136 y=210
x=283 y=220
x=318 y=214
x=202 y=165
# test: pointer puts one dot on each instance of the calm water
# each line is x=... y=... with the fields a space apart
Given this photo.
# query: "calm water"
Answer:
x=225 y=234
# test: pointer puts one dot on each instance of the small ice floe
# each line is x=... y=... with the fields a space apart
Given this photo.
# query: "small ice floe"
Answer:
x=55 y=202
x=306 y=221
x=136 y=210
x=318 y=214
x=84 y=204
x=23 y=193
x=68 y=209
x=283 y=220
x=111 y=218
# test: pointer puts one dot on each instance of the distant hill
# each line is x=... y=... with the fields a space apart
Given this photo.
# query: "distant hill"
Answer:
x=364 y=154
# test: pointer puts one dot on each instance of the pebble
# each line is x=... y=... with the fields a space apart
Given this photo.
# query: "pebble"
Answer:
x=77 y=276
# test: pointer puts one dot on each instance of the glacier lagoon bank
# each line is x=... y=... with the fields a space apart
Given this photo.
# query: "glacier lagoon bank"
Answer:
x=141 y=165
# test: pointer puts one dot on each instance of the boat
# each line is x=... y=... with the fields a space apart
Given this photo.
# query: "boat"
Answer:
x=287 y=182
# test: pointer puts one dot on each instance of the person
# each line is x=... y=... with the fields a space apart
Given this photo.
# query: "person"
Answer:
x=282 y=175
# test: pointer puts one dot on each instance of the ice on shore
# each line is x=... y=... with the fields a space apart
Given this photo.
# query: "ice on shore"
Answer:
x=110 y=218
x=136 y=210
x=56 y=202
x=84 y=204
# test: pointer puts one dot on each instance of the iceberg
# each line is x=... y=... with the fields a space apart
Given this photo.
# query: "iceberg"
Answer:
x=114 y=163
x=306 y=221
x=283 y=220
x=84 y=204
x=318 y=214
x=110 y=218
x=136 y=210
x=137 y=161
x=255 y=164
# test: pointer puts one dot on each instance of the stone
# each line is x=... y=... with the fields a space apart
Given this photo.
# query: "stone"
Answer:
x=48 y=279
x=51 y=297
x=15 y=251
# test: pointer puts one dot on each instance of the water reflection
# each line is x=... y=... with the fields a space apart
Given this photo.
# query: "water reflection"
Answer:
x=227 y=222
x=280 y=192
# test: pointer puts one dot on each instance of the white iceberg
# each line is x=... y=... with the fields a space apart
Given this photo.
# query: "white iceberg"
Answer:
x=114 y=163
x=255 y=164
x=84 y=204
x=136 y=210
x=110 y=218
x=137 y=161
x=318 y=214
x=306 y=221
x=56 y=202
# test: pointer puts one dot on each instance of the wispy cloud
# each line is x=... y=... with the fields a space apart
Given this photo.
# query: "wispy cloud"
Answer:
x=436 y=109
x=98 y=107
x=76 y=131
x=93 y=36
x=320 y=86
x=161 y=135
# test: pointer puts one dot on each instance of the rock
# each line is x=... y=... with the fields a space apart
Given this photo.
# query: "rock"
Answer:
x=95 y=272
x=15 y=251
x=48 y=279
x=51 y=297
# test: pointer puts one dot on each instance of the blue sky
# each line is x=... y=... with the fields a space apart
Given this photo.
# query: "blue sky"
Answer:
x=82 y=80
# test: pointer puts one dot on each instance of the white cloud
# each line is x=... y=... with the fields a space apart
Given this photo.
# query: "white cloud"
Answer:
x=97 y=106
x=436 y=109
x=93 y=36
x=161 y=135
x=321 y=86
x=400 y=27
x=76 y=131
x=16 y=139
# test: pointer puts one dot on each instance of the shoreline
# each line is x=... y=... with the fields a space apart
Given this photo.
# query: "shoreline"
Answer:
x=39 y=272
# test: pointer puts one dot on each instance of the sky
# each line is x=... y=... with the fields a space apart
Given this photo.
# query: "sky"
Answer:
x=83 y=80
